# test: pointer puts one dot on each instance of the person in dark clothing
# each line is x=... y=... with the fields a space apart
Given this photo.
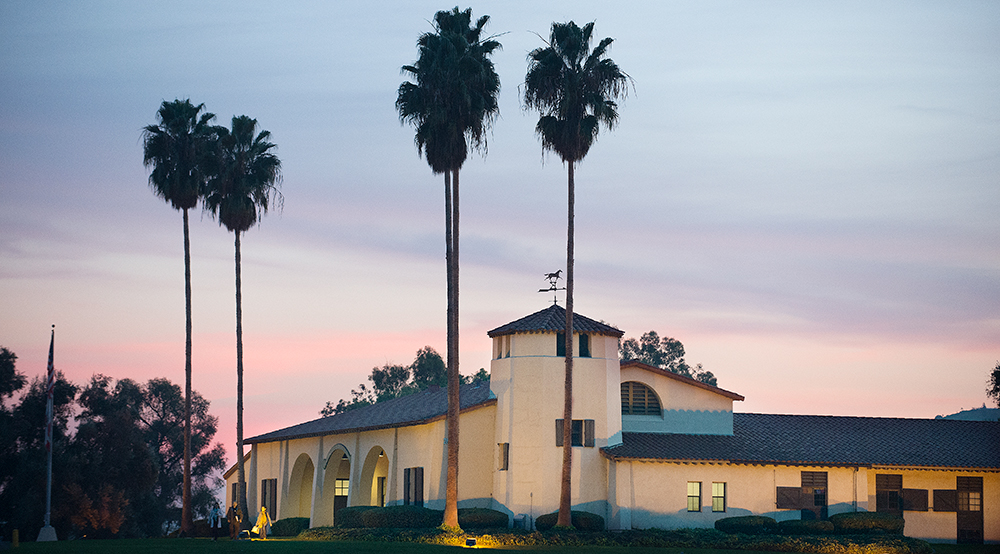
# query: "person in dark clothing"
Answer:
x=235 y=517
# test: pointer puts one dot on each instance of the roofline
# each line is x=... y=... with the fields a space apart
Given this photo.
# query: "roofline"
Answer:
x=799 y=463
x=681 y=378
x=259 y=440
x=246 y=458
x=493 y=335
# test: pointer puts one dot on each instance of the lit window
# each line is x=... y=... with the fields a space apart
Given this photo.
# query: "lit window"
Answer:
x=694 y=496
x=341 y=486
x=718 y=497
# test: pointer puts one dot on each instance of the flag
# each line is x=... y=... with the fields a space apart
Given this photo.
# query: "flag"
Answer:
x=49 y=390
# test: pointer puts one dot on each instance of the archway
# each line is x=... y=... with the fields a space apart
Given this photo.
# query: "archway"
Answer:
x=300 y=486
x=336 y=482
x=374 y=478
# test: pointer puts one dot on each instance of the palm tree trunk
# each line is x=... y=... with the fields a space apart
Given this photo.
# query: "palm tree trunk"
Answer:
x=451 y=481
x=187 y=524
x=242 y=486
x=565 y=493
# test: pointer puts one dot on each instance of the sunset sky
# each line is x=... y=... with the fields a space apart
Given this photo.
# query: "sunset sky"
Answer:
x=807 y=195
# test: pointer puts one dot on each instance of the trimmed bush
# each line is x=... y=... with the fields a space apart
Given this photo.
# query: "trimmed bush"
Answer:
x=289 y=527
x=805 y=527
x=350 y=518
x=748 y=525
x=482 y=518
x=400 y=517
x=866 y=523
x=582 y=521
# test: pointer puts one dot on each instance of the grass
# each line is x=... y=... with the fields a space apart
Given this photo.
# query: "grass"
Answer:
x=289 y=546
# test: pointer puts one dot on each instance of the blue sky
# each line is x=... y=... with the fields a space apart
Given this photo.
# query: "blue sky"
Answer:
x=804 y=194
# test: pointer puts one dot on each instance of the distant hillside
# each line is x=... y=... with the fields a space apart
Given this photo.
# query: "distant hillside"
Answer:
x=975 y=414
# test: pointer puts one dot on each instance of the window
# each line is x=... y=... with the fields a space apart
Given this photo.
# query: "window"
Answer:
x=413 y=486
x=582 y=432
x=718 y=497
x=561 y=345
x=341 y=487
x=584 y=345
x=694 y=496
x=810 y=497
x=503 y=456
x=269 y=496
x=507 y=346
x=888 y=493
x=638 y=399
x=381 y=492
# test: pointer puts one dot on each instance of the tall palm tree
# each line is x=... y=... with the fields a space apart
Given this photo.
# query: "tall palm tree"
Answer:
x=574 y=90
x=243 y=186
x=451 y=105
x=176 y=149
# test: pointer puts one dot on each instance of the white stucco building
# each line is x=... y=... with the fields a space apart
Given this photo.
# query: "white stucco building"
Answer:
x=652 y=449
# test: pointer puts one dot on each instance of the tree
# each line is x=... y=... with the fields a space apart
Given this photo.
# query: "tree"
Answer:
x=244 y=184
x=574 y=90
x=993 y=386
x=11 y=380
x=451 y=105
x=665 y=353
x=177 y=148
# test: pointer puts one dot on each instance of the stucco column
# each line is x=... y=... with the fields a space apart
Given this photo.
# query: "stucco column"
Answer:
x=393 y=470
x=283 y=472
x=356 y=461
x=317 y=491
x=252 y=482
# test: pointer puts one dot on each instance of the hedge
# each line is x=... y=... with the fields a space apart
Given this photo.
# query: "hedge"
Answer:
x=581 y=521
x=805 y=527
x=748 y=525
x=862 y=523
x=402 y=517
x=351 y=517
x=289 y=527
x=482 y=518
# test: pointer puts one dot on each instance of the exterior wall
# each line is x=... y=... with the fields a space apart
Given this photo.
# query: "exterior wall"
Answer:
x=529 y=390
x=686 y=409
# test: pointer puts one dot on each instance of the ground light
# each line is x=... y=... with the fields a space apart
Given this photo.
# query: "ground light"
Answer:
x=470 y=542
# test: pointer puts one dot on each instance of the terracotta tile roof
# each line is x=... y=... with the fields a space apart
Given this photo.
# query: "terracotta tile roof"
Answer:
x=414 y=409
x=553 y=320
x=827 y=440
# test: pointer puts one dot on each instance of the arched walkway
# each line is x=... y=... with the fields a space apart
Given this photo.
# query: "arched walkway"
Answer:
x=336 y=481
x=300 y=486
x=374 y=478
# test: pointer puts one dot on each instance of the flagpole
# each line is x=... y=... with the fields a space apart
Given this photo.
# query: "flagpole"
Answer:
x=48 y=533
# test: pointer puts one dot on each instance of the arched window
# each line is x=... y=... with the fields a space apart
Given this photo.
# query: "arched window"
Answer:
x=638 y=399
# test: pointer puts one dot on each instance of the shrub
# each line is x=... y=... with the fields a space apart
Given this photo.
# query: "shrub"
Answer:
x=582 y=521
x=402 y=517
x=748 y=525
x=289 y=527
x=482 y=518
x=805 y=527
x=865 y=523
x=351 y=517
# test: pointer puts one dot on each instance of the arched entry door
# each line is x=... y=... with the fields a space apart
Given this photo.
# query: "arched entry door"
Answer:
x=374 y=478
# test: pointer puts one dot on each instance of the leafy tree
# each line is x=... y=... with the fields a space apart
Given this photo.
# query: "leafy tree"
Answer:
x=665 y=353
x=177 y=149
x=452 y=104
x=428 y=369
x=993 y=387
x=481 y=375
x=574 y=90
x=11 y=380
x=244 y=183
x=392 y=381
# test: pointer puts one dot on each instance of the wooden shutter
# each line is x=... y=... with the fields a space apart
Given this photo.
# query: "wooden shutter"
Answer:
x=407 y=496
x=559 y=432
x=945 y=500
x=588 y=433
x=789 y=498
x=419 y=487
x=915 y=500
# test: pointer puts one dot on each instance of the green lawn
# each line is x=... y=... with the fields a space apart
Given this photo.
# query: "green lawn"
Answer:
x=290 y=546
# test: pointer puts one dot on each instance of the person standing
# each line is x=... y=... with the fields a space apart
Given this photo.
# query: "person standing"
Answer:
x=235 y=518
x=215 y=520
x=263 y=525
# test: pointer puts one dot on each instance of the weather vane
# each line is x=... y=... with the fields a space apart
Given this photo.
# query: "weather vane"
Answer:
x=553 y=279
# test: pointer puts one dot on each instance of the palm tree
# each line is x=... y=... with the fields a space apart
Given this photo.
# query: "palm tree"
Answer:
x=574 y=90
x=176 y=148
x=451 y=105
x=243 y=186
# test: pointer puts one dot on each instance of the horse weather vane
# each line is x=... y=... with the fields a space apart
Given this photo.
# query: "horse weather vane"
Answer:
x=553 y=279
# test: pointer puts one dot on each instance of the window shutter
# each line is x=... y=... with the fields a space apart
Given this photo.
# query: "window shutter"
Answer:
x=945 y=500
x=588 y=432
x=915 y=500
x=419 y=486
x=407 y=495
x=559 y=432
x=789 y=498
x=561 y=345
